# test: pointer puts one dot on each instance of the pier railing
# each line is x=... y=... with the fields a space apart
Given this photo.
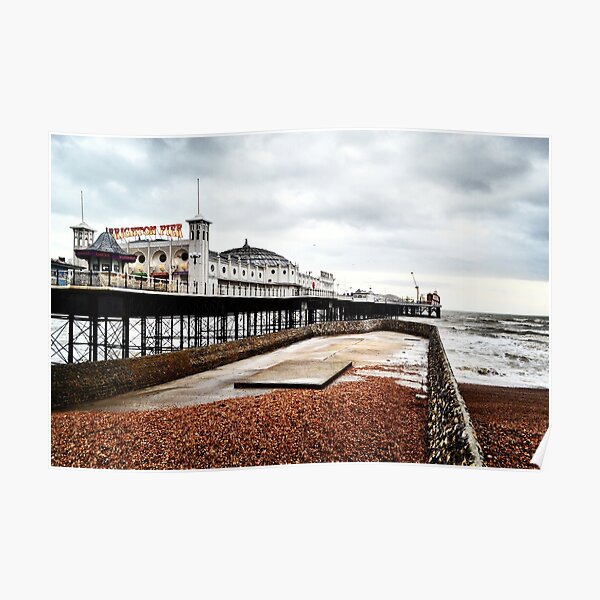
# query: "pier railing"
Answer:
x=108 y=279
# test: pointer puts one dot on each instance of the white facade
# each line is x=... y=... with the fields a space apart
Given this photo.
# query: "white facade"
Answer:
x=189 y=265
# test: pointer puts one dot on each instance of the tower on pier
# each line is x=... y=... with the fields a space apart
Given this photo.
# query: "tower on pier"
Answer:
x=83 y=237
x=199 y=228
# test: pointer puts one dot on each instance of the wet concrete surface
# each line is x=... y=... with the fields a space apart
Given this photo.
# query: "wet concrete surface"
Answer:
x=383 y=353
x=313 y=374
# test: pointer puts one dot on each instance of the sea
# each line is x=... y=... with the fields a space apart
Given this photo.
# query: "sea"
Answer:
x=497 y=349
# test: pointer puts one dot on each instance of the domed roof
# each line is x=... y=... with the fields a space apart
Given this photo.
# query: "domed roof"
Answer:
x=105 y=245
x=258 y=256
x=198 y=217
x=83 y=225
x=105 y=242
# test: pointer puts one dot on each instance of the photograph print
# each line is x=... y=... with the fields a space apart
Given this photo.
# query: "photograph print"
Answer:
x=280 y=298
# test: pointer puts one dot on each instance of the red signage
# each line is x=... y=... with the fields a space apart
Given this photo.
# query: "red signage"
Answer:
x=170 y=231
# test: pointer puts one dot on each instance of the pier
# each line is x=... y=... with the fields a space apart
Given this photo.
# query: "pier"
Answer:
x=90 y=323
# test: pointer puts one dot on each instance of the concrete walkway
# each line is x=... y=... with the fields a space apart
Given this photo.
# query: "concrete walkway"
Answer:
x=402 y=357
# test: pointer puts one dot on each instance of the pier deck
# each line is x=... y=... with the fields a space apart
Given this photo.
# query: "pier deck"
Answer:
x=91 y=323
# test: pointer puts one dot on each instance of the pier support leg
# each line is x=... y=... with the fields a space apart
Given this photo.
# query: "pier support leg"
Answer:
x=143 y=336
x=125 y=337
x=94 y=340
x=70 y=349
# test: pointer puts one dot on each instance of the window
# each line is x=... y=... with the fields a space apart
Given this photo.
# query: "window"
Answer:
x=163 y=257
x=212 y=268
x=184 y=256
x=284 y=271
x=272 y=271
x=224 y=270
x=243 y=272
x=141 y=259
x=234 y=271
x=252 y=274
x=260 y=275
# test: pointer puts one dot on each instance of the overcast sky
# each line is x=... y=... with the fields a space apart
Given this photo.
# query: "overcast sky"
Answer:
x=469 y=214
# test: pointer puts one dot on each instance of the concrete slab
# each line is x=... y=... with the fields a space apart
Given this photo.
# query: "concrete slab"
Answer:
x=405 y=359
x=313 y=374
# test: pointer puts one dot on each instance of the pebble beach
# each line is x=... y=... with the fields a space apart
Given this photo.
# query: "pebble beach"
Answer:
x=510 y=422
x=373 y=419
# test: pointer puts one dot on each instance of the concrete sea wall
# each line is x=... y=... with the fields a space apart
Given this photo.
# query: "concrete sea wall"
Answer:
x=451 y=437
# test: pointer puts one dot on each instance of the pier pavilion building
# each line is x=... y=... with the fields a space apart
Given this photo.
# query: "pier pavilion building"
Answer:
x=187 y=264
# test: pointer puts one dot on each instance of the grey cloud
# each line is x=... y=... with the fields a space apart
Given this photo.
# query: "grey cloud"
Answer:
x=472 y=163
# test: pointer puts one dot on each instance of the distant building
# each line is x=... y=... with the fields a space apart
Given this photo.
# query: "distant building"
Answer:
x=433 y=298
x=61 y=272
x=363 y=296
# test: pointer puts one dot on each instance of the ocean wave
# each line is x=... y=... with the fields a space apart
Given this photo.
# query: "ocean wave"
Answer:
x=497 y=331
x=525 y=324
x=487 y=333
x=537 y=341
x=482 y=370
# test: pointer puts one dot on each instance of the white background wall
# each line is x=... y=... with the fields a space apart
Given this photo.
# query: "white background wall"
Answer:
x=335 y=531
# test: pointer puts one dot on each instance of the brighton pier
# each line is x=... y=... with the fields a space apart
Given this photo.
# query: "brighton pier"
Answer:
x=164 y=291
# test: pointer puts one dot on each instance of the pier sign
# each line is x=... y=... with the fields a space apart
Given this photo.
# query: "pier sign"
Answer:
x=174 y=230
